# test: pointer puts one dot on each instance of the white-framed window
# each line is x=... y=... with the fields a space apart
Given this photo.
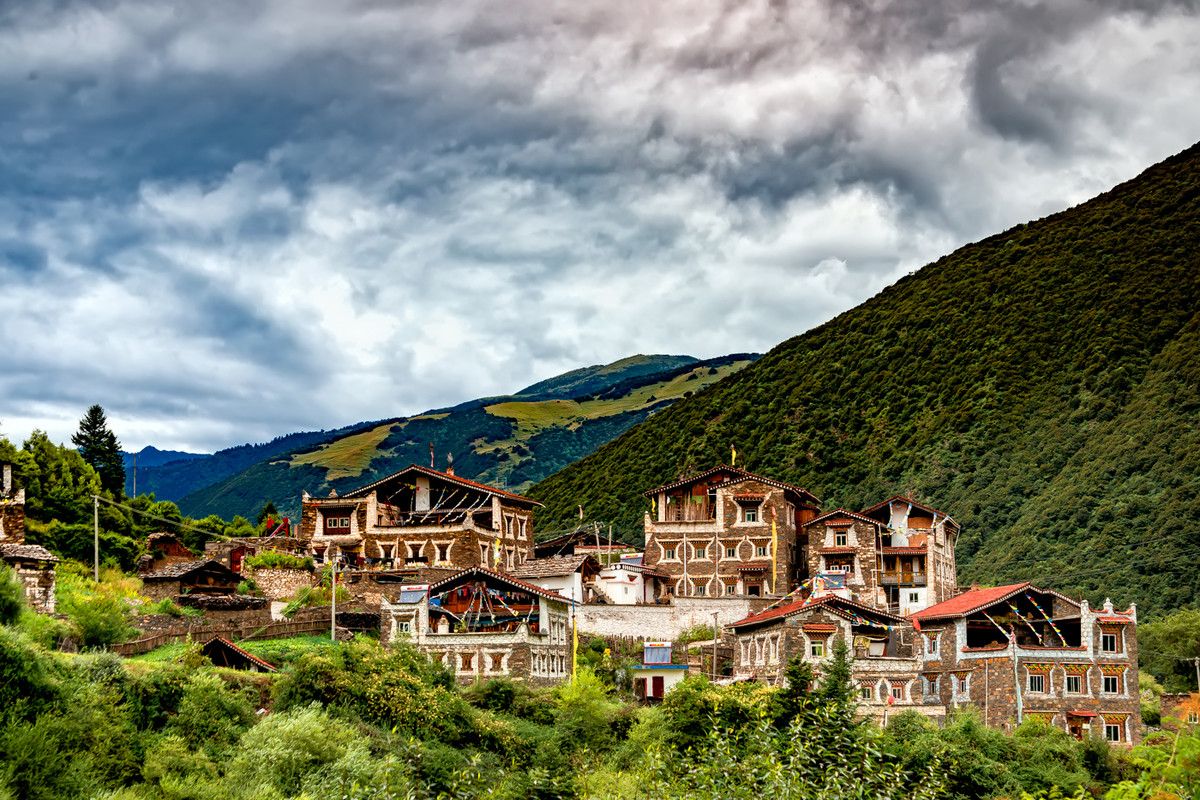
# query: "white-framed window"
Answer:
x=731 y=588
x=404 y=626
x=931 y=645
x=1037 y=683
x=898 y=691
x=1112 y=684
x=483 y=554
x=761 y=551
x=1193 y=717
x=521 y=527
x=749 y=513
x=1112 y=733
x=1074 y=684
x=668 y=553
x=816 y=648
x=1108 y=643
x=700 y=590
x=962 y=684
x=866 y=693
x=931 y=685
x=699 y=551
x=731 y=552
x=914 y=597
x=841 y=539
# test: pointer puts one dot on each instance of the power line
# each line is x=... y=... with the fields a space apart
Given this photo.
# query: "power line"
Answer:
x=176 y=523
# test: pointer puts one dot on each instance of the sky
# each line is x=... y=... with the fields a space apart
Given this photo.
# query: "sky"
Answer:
x=228 y=221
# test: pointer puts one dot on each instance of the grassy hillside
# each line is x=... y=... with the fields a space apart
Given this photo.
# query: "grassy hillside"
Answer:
x=589 y=379
x=508 y=441
x=1042 y=386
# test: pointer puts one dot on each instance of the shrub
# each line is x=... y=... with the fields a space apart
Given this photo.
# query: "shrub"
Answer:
x=210 y=715
x=44 y=629
x=30 y=681
x=100 y=620
x=278 y=561
x=696 y=633
x=584 y=713
x=169 y=606
x=12 y=595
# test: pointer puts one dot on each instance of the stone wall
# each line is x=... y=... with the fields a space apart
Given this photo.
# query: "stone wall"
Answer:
x=282 y=584
x=12 y=520
x=159 y=589
x=39 y=587
x=664 y=622
x=197 y=626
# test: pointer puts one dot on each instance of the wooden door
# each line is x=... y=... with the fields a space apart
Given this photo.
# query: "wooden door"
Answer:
x=656 y=686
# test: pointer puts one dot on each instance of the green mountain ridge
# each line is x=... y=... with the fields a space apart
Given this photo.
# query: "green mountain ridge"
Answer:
x=510 y=441
x=1042 y=386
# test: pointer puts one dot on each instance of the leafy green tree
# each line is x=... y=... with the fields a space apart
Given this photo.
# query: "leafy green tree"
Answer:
x=99 y=447
x=268 y=512
x=100 y=620
x=837 y=688
x=795 y=699
x=1166 y=647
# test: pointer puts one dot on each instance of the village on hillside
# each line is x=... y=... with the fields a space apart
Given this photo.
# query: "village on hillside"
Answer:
x=455 y=568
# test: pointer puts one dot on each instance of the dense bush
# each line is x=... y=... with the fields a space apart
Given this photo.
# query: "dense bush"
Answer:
x=273 y=560
x=100 y=621
x=12 y=595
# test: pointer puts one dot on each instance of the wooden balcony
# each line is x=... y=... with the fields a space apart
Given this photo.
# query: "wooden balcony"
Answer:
x=690 y=512
x=903 y=579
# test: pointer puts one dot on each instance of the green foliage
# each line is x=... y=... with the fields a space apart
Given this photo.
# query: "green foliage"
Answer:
x=1167 y=766
x=272 y=560
x=100 y=621
x=1166 y=647
x=211 y=717
x=98 y=446
x=1038 y=385
x=696 y=633
x=693 y=704
x=795 y=699
x=585 y=713
x=837 y=688
x=45 y=630
x=12 y=595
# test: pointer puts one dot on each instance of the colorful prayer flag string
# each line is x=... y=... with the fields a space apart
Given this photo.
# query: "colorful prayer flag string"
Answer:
x=1046 y=616
x=1017 y=614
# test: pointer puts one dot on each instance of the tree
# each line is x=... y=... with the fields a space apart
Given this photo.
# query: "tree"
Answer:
x=837 y=688
x=795 y=699
x=268 y=512
x=100 y=448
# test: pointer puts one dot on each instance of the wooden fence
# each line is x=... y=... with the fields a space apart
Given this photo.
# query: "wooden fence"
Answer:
x=237 y=633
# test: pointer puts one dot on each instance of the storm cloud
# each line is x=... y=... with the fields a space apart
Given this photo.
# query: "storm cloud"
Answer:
x=226 y=221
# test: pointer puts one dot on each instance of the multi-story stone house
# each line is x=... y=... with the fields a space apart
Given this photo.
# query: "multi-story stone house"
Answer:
x=1018 y=652
x=897 y=555
x=727 y=532
x=419 y=517
x=484 y=624
x=885 y=668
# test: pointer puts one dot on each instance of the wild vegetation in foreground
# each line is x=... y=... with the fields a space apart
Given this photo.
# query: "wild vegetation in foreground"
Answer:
x=357 y=720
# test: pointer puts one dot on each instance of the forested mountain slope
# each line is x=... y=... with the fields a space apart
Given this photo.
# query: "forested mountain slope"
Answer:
x=1042 y=386
x=508 y=441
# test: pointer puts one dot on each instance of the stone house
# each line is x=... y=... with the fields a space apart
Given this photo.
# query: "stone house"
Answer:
x=1181 y=711
x=727 y=532
x=34 y=566
x=12 y=507
x=573 y=577
x=897 y=555
x=483 y=624
x=234 y=552
x=886 y=669
x=202 y=576
x=419 y=517
x=162 y=550
x=1017 y=652
x=32 y=563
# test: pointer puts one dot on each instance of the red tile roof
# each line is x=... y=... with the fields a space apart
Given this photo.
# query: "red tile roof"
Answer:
x=1115 y=620
x=971 y=601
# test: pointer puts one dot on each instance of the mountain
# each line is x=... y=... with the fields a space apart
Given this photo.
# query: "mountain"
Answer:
x=177 y=478
x=510 y=441
x=1042 y=386
x=150 y=456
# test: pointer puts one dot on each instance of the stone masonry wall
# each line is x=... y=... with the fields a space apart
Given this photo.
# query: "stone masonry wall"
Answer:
x=282 y=584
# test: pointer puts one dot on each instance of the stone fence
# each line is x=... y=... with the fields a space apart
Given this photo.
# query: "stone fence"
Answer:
x=282 y=584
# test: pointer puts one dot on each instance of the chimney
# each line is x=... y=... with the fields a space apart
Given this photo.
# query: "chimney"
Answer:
x=8 y=478
x=449 y=470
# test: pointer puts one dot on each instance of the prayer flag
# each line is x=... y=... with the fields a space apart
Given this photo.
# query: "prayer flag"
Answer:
x=732 y=456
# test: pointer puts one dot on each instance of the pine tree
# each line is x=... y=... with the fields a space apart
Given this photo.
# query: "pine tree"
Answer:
x=99 y=447
x=837 y=688
x=795 y=700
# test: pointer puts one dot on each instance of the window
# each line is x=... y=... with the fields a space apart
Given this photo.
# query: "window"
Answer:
x=933 y=687
x=404 y=627
x=1112 y=684
x=1073 y=685
x=730 y=588
x=931 y=645
x=914 y=597
x=731 y=552
x=443 y=552
x=700 y=552
x=962 y=684
x=414 y=551
x=1193 y=717
x=483 y=559
x=866 y=692
x=840 y=539
x=1112 y=733
x=700 y=589
x=816 y=649
x=1108 y=642
x=898 y=691
x=761 y=551
x=669 y=553
x=750 y=514
x=1037 y=683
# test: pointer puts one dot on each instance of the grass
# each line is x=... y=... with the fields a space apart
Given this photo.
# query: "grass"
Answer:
x=347 y=457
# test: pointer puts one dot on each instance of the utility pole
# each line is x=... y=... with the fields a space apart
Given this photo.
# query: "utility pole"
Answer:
x=1197 y=661
x=135 y=474
x=96 y=531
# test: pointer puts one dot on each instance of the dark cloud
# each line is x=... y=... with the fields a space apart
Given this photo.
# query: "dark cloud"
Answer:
x=227 y=220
